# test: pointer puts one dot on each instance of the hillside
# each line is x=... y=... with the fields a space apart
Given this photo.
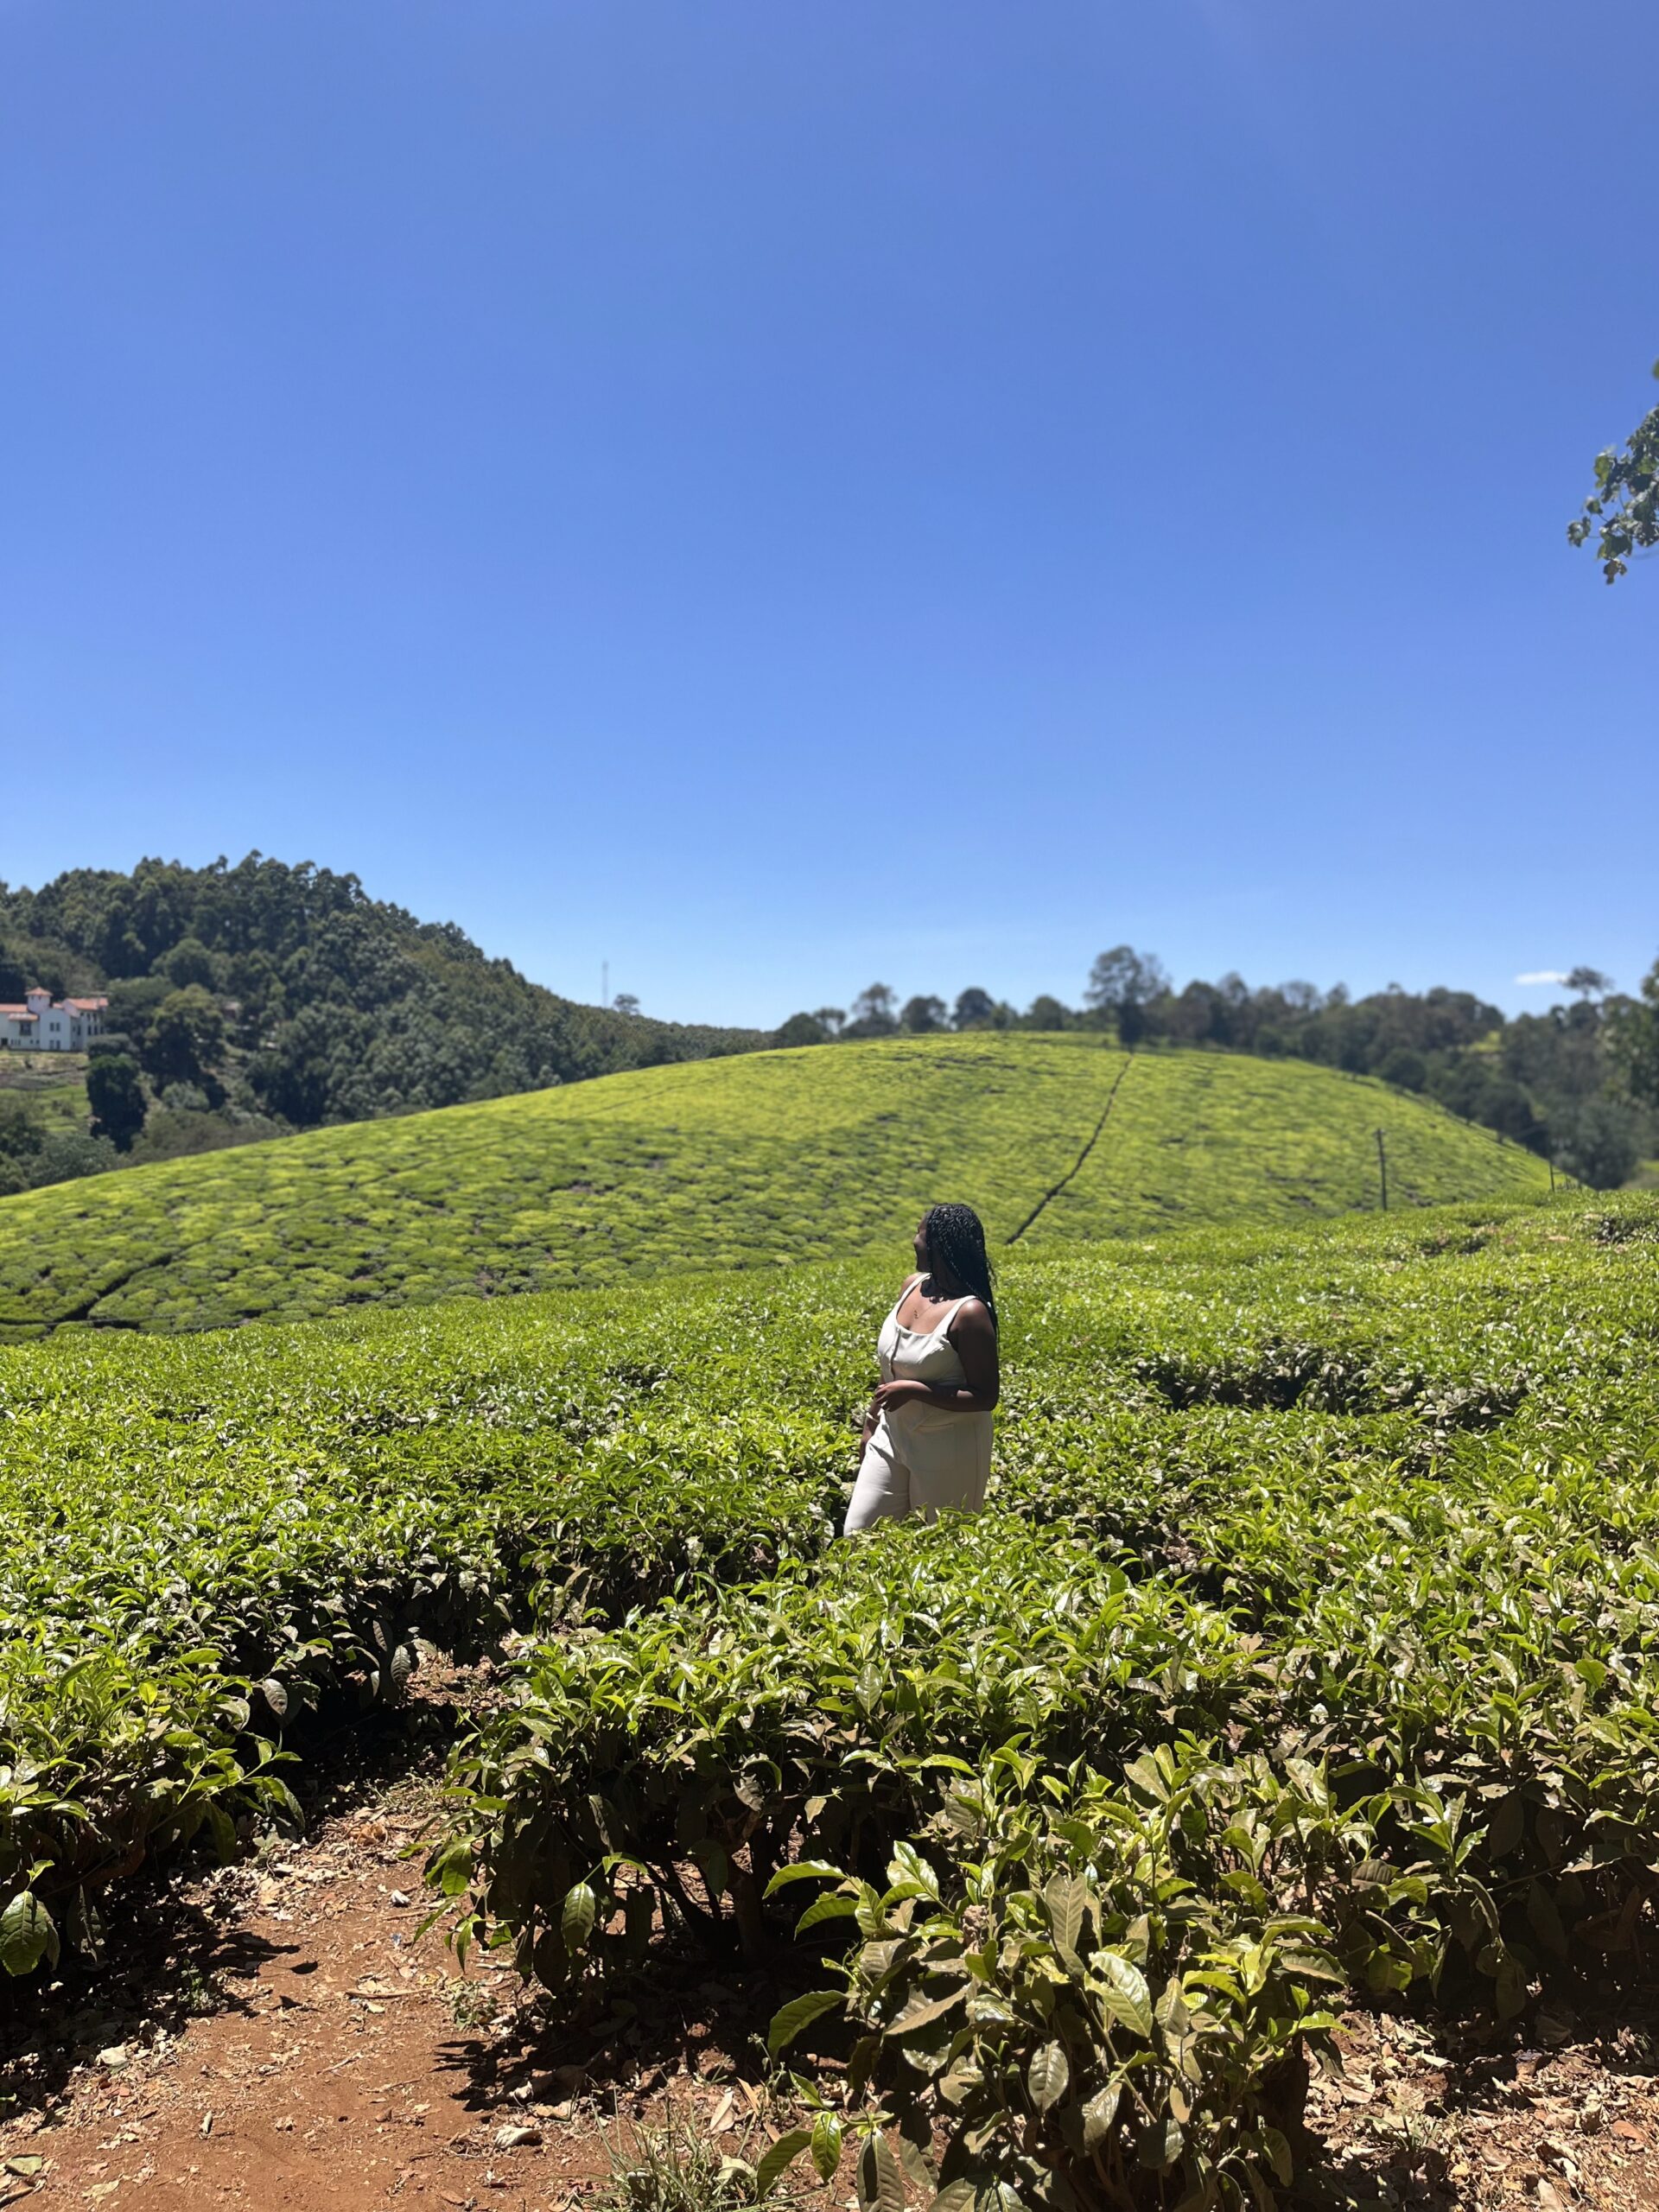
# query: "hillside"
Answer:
x=288 y=993
x=755 y=1161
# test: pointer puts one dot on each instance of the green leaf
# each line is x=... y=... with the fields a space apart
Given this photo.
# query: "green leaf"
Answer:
x=1122 y=1989
x=924 y=2014
x=1171 y=2012
x=1048 y=2075
x=830 y=1906
x=756 y=1784
x=880 y=2183
x=577 y=1916
x=275 y=1696
x=826 y=2145
x=1065 y=1896
x=913 y=2160
x=804 y=1870
x=714 y=1865
x=955 y=2196
x=27 y=1934
x=1099 y=2113
x=782 y=2155
x=800 y=2012
x=1508 y=1825
x=908 y=1869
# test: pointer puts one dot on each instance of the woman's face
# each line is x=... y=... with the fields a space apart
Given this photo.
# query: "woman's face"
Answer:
x=922 y=1260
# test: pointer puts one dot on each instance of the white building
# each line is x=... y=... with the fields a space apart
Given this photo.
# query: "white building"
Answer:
x=42 y=1026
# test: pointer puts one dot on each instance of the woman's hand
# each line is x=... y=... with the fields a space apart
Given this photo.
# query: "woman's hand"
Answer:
x=899 y=1393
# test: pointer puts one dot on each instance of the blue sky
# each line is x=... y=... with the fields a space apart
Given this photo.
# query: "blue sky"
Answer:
x=772 y=497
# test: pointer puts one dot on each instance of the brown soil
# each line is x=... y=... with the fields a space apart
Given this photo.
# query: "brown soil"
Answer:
x=278 y=2035
x=274 y=2036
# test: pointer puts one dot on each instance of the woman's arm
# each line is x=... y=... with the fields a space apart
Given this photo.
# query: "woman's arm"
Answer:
x=974 y=1338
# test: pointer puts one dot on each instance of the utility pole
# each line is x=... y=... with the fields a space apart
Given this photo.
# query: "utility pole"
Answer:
x=1382 y=1168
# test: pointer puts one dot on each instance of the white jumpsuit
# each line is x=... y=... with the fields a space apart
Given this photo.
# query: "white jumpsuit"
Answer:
x=921 y=1459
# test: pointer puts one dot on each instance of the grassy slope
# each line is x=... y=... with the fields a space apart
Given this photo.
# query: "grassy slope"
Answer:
x=742 y=1162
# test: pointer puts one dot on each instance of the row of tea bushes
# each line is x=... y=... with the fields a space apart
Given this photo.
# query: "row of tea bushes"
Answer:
x=755 y=1162
x=1345 y=1502
x=1333 y=1566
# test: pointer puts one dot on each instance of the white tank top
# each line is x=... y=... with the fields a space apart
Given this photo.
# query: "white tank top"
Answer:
x=920 y=1355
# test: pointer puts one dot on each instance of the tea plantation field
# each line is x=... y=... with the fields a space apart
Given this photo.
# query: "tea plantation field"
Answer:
x=752 y=1162
x=1310 y=1643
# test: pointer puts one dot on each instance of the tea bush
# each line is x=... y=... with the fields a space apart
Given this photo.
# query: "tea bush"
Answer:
x=822 y=1710
x=1312 y=1630
x=1089 y=2000
x=755 y=1162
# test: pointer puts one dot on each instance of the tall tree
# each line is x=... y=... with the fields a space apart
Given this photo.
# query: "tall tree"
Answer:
x=116 y=1098
x=1622 y=514
x=974 y=1008
x=1633 y=1040
x=1124 y=977
x=922 y=1015
x=874 y=1012
x=185 y=1038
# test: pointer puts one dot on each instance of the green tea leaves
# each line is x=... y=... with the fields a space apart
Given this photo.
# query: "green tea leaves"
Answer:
x=27 y=1934
x=797 y=2015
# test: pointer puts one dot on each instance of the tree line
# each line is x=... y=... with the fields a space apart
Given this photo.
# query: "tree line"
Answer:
x=1577 y=1084
x=252 y=999
x=248 y=1001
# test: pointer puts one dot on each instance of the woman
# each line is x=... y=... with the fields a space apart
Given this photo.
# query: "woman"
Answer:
x=927 y=1435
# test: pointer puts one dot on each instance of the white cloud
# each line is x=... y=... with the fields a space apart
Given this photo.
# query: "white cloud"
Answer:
x=1543 y=976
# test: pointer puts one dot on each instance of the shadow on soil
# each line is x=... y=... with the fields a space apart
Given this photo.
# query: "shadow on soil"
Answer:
x=177 y=1942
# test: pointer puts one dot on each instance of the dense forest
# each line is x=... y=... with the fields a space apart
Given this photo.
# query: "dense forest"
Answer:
x=1578 y=1084
x=252 y=999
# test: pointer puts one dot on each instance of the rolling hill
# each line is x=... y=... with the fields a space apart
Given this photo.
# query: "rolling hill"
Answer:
x=290 y=993
x=750 y=1162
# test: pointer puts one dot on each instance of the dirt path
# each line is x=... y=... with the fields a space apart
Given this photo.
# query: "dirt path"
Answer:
x=277 y=2038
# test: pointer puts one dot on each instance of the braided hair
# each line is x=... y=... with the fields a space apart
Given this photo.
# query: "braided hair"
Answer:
x=955 y=1242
